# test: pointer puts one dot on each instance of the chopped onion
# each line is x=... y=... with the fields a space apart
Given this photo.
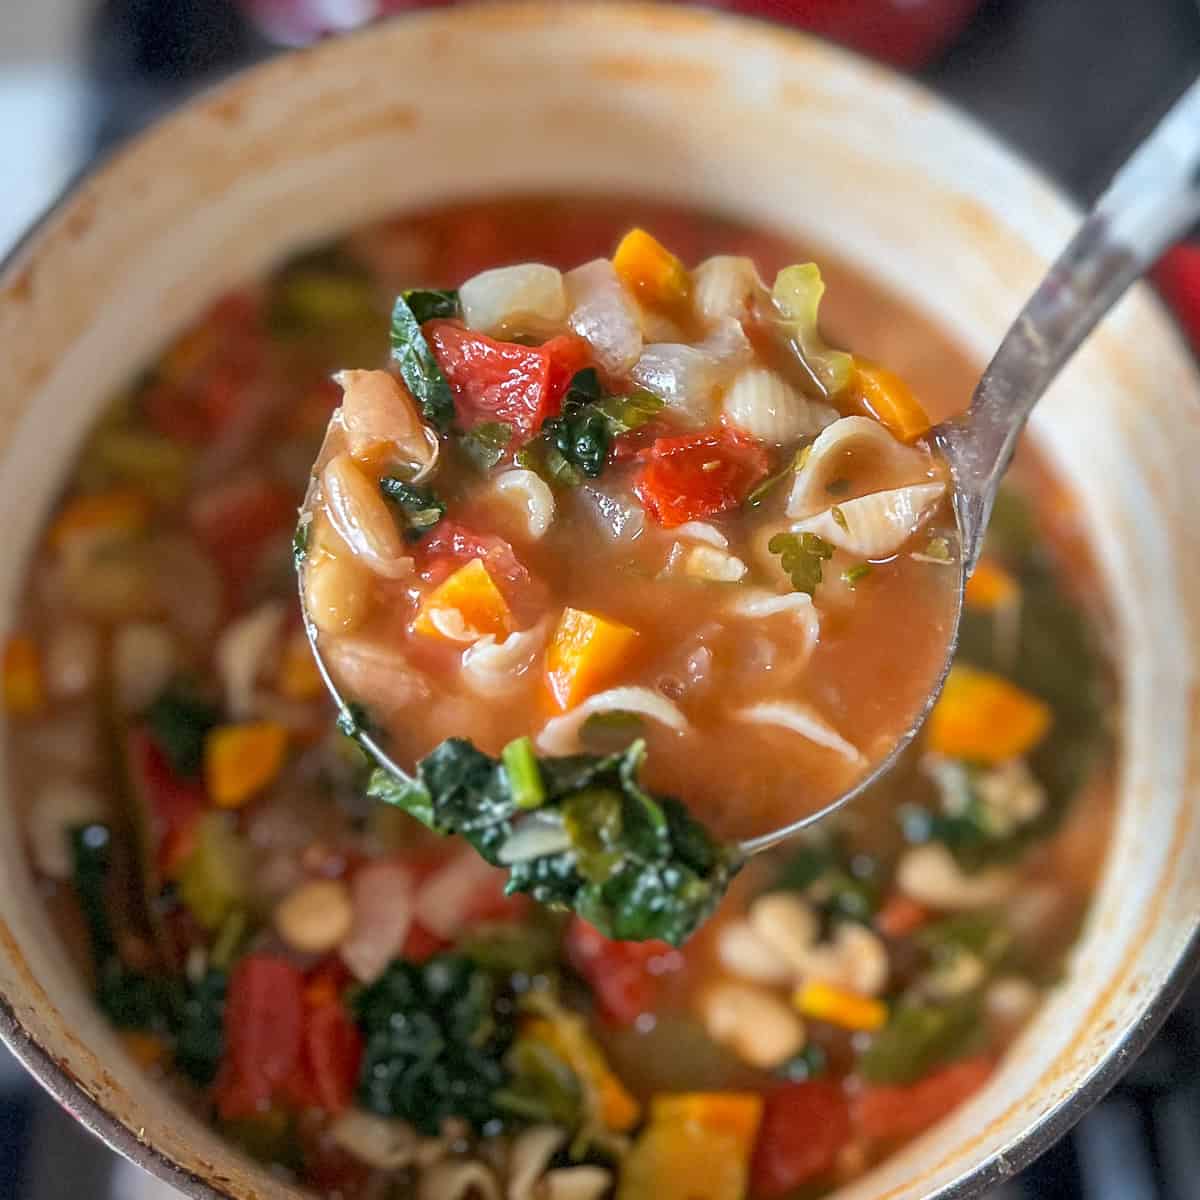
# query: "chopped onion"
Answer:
x=865 y=445
x=726 y=286
x=702 y=531
x=242 y=651
x=604 y=315
x=492 y=668
x=530 y=1156
x=801 y=719
x=765 y=405
x=688 y=378
x=361 y=518
x=530 y=492
x=58 y=807
x=618 y=515
x=877 y=525
x=560 y=735
x=528 y=298
x=144 y=657
x=381 y=894
x=534 y=837
x=713 y=566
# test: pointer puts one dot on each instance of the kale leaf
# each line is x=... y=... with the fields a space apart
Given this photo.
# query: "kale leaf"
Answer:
x=426 y=304
x=420 y=508
x=485 y=445
x=435 y=1039
x=180 y=720
x=636 y=865
x=419 y=368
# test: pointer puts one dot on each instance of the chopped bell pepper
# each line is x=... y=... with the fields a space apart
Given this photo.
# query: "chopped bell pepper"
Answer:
x=583 y=653
x=24 y=686
x=983 y=718
x=121 y=511
x=990 y=587
x=840 y=1006
x=473 y=594
x=298 y=677
x=650 y=271
x=241 y=760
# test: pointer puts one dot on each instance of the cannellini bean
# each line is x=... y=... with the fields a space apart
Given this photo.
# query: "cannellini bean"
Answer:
x=787 y=924
x=765 y=405
x=758 y=1026
x=855 y=959
x=377 y=672
x=72 y=660
x=337 y=592
x=1010 y=1000
x=316 y=916
x=711 y=565
x=377 y=407
x=144 y=658
x=458 y=1179
x=241 y=653
x=931 y=876
x=377 y=1141
x=531 y=1154
x=726 y=285
x=526 y=298
x=577 y=1183
x=530 y=495
x=743 y=952
x=956 y=976
x=382 y=897
x=58 y=807
x=361 y=517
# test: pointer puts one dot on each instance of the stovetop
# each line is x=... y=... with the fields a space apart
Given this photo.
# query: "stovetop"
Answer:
x=1070 y=83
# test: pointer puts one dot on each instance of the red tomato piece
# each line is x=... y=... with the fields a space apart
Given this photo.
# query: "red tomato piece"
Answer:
x=238 y=521
x=1178 y=277
x=332 y=1055
x=624 y=976
x=172 y=805
x=451 y=544
x=421 y=945
x=264 y=1034
x=504 y=381
x=695 y=476
x=804 y=1127
x=893 y=1112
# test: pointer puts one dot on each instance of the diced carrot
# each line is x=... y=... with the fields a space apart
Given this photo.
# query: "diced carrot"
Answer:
x=984 y=718
x=118 y=511
x=900 y=915
x=990 y=587
x=886 y=397
x=583 y=653
x=146 y=1049
x=241 y=760
x=697 y=1146
x=473 y=594
x=24 y=686
x=840 y=1006
x=569 y=1039
x=650 y=271
x=298 y=677
x=888 y=1112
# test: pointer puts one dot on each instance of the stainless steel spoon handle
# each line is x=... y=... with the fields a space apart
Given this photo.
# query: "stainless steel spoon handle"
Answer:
x=1153 y=199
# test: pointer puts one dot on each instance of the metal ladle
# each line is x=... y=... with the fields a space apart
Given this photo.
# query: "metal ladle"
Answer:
x=1152 y=200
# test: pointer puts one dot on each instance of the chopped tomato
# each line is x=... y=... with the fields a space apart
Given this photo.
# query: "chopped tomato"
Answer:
x=452 y=544
x=264 y=1034
x=624 y=976
x=901 y=916
x=504 y=381
x=238 y=521
x=331 y=1055
x=170 y=805
x=1178 y=277
x=804 y=1127
x=695 y=476
x=420 y=944
x=892 y=1112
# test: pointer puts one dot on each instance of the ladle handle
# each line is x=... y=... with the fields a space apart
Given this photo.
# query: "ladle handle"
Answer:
x=1152 y=200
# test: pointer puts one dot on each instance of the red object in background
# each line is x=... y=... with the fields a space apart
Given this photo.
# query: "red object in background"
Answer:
x=906 y=33
x=173 y=805
x=804 y=1127
x=624 y=976
x=1178 y=277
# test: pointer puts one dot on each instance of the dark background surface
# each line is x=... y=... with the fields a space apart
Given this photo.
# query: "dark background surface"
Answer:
x=1071 y=84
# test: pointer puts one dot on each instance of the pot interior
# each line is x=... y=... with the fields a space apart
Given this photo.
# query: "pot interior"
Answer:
x=702 y=109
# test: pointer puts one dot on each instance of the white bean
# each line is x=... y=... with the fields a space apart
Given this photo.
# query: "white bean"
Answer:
x=1010 y=999
x=316 y=916
x=360 y=515
x=744 y=953
x=931 y=876
x=786 y=923
x=143 y=660
x=758 y=1026
x=855 y=959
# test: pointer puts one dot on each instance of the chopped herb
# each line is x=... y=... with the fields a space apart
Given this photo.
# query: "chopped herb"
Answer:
x=420 y=508
x=638 y=866
x=523 y=773
x=436 y=1038
x=919 y=1037
x=852 y=575
x=811 y=1063
x=609 y=731
x=543 y=1089
x=839 y=517
x=801 y=556
x=759 y=494
x=485 y=445
x=179 y=722
x=300 y=540
x=939 y=550
x=199 y=1031
x=419 y=368
x=844 y=887
x=425 y=304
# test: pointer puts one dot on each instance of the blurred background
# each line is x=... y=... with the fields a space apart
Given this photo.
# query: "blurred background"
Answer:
x=1070 y=83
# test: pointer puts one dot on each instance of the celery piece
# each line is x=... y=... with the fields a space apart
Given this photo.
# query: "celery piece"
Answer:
x=215 y=876
x=524 y=775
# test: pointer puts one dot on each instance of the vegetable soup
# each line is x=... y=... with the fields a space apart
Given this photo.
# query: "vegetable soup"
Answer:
x=360 y=1002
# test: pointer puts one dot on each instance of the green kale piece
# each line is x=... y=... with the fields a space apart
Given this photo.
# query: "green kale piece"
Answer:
x=420 y=509
x=179 y=720
x=419 y=368
x=426 y=304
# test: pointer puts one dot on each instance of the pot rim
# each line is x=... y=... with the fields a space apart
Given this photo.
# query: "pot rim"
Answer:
x=124 y=1138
